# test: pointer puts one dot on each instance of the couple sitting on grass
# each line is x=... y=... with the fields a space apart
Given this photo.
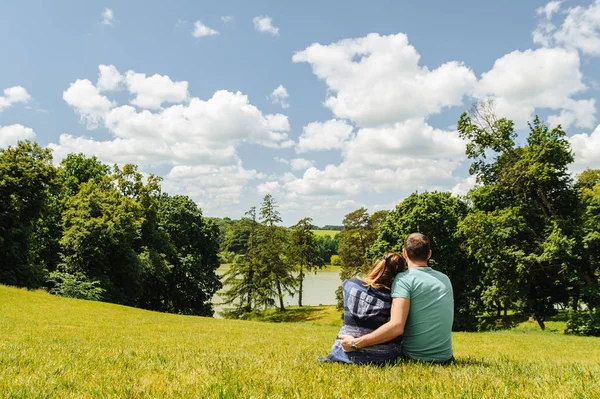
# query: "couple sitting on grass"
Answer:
x=401 y=309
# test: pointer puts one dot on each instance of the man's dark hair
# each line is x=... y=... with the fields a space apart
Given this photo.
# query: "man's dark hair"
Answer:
x=417 y=247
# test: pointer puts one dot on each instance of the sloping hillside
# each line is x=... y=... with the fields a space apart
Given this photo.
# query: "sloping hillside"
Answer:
x=57 y=347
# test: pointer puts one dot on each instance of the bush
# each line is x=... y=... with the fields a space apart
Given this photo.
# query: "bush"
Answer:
x=335 y=260
x=75 y=286
x=584 y=322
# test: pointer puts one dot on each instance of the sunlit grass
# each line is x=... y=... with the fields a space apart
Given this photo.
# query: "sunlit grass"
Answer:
x=56 y=347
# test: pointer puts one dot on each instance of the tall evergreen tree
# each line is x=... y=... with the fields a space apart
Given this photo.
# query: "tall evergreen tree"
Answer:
x=275 y=271
x=303 y=252
x=240 y=280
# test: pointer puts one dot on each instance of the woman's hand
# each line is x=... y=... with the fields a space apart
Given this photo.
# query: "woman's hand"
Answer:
x=346 y=341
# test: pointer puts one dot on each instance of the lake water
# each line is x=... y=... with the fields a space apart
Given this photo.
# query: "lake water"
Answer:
x=318 y=289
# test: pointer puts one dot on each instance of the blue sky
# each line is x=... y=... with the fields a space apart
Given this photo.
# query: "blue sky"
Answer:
x=328 y=106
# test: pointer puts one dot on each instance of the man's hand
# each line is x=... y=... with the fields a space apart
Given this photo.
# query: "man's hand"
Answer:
x=346 y=341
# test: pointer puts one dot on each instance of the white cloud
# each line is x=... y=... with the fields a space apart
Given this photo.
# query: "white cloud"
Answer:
x=198 y=139
x=201 y=30
x=265 y=24
x=108 y=17
x=390 y=146
x=464 y=186
x=301 y=163
x=376 y=79
x=213 y=186
x=399 y=158
x=549 y=9
x=522 y=81
x=586 y=148
x=109 y=78
x=280 y=96
x=10 y=135
x=580 y=28
x=12 y=95
x=271 y=187
x=86 y=99
x=152 y=91
x=319 y=136
x=226 y=18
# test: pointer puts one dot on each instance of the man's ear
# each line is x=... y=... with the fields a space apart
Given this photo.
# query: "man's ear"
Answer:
x=404 y=253
x=429 y=256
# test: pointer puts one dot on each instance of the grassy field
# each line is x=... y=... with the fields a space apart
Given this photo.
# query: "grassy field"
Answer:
x=56 y=347
x=330 y=233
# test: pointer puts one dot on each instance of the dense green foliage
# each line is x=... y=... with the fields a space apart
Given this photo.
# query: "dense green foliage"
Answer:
x=85 y=230
x=63 y=348
x=26 y=180
x=270 y=260
x=525 y=240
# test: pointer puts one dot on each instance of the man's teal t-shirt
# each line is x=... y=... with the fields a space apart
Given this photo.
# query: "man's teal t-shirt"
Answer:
x=428 y=330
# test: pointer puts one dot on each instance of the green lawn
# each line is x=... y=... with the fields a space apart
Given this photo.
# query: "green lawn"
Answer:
x=330 y=233
x=55 y=347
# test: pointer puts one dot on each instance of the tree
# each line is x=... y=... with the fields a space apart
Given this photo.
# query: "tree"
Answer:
x=26 y=179
x=101 y=228
x=192 y=279
x=240 y=280
x=327 y=246
x=76 y=169
x=303 y=251
x=355 y=238
x=534 y=181
x=359 y=233
x=275 y=271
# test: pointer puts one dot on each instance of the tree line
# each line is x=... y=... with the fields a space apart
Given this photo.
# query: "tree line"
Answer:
x=525 y=240
x=87 y=230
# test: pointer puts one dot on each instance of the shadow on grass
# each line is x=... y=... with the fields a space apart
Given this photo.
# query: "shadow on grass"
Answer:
x=290 y=315
x=492 y=323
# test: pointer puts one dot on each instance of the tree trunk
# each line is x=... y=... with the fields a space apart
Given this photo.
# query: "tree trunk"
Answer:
x=540 y=323
x=250 y=276
x=301 y=278
x=280 y=295
x=506 y=308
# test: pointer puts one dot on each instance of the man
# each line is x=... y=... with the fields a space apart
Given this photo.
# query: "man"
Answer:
x=427 y=329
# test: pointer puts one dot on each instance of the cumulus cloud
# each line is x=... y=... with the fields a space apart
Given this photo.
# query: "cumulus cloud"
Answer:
x=280 y=96
x=265 y=24
x=580 y=28
x=319 y=136
x=587 y=150
x=403 y=157
x=226 y=18
x=377 y=79
x=522 y=81
x=108 y=17
x=109 y=78
x=198 y=139
x=12 y=95
x=87 y=101
x=201 y=30
x=10 y=135
x=152 y=91
x=216 y=186
x=463 y=187
x=271 y=187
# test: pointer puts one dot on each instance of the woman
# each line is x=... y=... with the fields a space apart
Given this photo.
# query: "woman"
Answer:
x=367 y=304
